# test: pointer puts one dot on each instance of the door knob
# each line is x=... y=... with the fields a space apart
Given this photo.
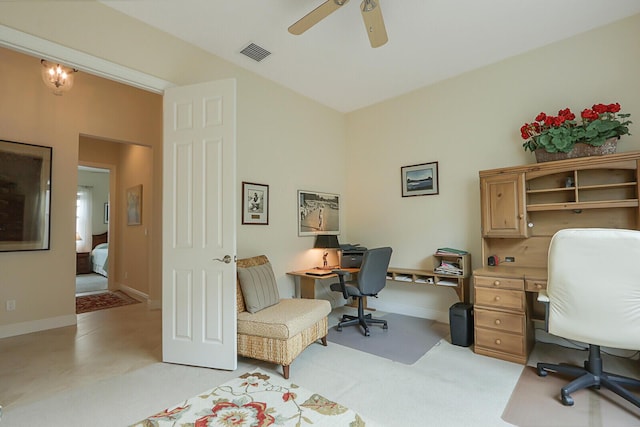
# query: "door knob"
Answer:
x=226 y=259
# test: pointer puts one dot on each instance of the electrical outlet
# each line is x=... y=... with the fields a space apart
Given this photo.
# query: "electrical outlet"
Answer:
x=509 y=259
x=11 y=305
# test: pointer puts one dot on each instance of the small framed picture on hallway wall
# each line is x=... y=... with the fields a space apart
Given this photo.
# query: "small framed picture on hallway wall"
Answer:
x=134 y=205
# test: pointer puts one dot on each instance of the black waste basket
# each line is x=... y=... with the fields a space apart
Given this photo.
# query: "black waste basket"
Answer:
x=461 y=323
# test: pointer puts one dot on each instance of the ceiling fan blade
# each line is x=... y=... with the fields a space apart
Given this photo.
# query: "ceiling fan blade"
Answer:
x=373 y=22
x=316 y=15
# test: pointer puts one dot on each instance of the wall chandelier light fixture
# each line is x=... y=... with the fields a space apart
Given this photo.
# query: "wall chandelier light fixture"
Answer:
x=57 y=77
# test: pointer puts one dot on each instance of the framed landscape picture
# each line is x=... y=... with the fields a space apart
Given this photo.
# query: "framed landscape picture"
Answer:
x=420 y=180
x=318 y=213
x=255 y=203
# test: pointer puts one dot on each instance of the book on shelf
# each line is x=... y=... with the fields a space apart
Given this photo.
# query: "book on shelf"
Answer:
x=449 y=268
x=450 y=251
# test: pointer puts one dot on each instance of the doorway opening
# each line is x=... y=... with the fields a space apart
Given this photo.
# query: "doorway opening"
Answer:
x=92 y=230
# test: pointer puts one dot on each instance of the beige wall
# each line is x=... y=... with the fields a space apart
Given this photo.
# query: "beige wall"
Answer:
x=467 y=124
x=288 y=142
x=284 y=140
x=43 y=282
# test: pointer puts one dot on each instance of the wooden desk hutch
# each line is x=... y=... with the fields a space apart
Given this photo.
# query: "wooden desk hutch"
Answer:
x=522 y=208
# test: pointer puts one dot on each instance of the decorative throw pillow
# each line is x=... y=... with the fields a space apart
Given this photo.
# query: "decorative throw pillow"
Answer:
x=259 y=287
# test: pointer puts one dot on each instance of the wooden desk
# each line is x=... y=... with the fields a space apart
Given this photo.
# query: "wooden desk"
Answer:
x=504 y=310
x=308 y=281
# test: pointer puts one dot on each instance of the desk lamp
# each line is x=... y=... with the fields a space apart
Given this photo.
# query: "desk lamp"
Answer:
x=326 y=241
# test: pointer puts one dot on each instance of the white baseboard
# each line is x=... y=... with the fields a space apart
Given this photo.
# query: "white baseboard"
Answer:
x=409 y=310
x=37 y=325
x=151 y=304
x=133 y=292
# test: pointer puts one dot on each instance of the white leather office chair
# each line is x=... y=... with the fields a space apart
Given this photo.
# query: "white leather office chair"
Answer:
x=593 y=292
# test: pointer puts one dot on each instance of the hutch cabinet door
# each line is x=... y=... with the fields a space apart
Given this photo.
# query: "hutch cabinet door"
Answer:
x=503 y=205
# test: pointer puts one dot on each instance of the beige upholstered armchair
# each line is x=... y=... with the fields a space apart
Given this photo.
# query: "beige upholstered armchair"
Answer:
x=273 y=329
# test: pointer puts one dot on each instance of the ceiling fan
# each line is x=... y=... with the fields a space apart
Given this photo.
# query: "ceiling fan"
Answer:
x=371 y=14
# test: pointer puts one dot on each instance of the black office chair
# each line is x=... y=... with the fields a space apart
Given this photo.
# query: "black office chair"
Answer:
x=372 y=277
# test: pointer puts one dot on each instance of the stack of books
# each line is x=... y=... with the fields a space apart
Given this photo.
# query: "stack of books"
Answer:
x=449 y=268
x=450 y=251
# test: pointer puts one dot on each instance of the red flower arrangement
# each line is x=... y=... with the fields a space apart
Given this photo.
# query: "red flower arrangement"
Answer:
x=560 y=133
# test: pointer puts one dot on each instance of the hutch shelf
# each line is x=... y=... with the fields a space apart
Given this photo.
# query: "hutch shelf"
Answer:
x=522 y=207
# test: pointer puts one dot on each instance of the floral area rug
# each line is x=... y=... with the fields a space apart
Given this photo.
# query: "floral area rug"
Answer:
x=255 y=399
x=101 y=301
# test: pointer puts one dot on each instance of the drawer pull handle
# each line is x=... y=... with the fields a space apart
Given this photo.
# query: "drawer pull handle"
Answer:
x=496 y=283
x=538 y=286
x=498 y=342
x=498 y=321
x=497 y=298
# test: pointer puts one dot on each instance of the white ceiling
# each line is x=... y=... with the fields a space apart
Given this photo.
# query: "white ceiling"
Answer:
x=333 y=63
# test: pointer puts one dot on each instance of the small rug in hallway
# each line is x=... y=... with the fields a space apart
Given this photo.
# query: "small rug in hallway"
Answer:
x=95 y=302
x=255 y=399
x=407 y=339
x=535 y=402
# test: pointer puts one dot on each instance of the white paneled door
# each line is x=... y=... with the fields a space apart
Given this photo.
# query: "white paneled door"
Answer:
x=199 y=226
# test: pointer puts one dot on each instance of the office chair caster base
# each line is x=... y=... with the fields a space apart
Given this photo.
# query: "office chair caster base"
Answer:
x=566 y=399
x=542 y=372
x=367 y=333
x=339 y=328
x=385 y=326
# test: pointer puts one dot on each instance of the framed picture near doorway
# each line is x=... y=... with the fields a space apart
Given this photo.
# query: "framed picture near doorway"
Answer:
x=318 y=213
x=134 y=205
x=25 y=196
x=255 y=203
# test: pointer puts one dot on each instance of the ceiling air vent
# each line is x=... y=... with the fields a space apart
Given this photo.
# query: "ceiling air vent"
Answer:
x=255 y=52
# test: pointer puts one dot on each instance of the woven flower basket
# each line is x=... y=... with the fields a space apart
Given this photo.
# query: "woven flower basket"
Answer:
x=579 y=150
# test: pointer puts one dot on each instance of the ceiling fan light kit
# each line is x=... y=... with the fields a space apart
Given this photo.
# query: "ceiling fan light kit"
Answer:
x=371 y=14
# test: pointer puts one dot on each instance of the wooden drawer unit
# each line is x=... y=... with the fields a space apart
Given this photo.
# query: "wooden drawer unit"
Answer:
x=501 y=319
x=83 y=262
x=499 y=282
x=521 y=208
x=532 y=285
x=508 y=322
x=501 y=299
x=513 y=345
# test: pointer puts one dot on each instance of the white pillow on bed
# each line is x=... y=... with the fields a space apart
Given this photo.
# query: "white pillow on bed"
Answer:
x=102 y=246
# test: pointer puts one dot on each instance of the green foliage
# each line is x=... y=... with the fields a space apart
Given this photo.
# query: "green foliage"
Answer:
x=560 y=133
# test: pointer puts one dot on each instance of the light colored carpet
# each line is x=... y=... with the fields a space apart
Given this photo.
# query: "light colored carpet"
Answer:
x=89 y=283
x=406 y=340
x=449 y=386
x=534 y=395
